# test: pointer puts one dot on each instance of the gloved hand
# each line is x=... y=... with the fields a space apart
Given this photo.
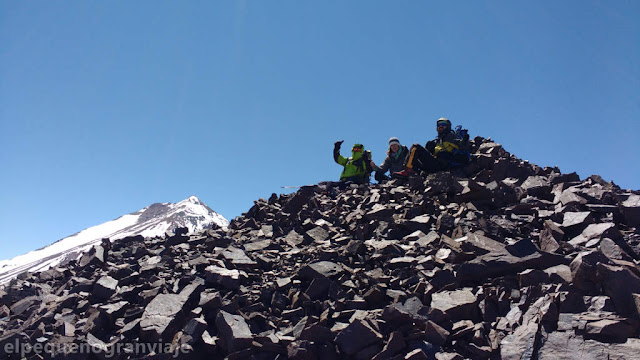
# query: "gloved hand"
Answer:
x=338 y=143
x=380 y=176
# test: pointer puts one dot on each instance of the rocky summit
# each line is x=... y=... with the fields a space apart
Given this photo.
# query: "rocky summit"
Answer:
x=501 y=259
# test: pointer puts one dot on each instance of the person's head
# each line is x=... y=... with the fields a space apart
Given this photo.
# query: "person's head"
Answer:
x=357 y=150
x=443 y=125
x=394 y=145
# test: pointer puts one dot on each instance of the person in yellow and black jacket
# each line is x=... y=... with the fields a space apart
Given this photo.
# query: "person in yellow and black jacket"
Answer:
x=357 y=168
x=446 y=151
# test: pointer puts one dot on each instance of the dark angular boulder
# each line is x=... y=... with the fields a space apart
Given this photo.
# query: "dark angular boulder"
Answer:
x=21 y=307
x=177 y=236
x=317 y=334
x=394 y=346
x=357 y=336
x=234 y=331
x=229 y=279
x=96 y=256
x=577 y=220
x=583 y=269
x=568 y=345
x=531 y=277
x=105 y=287
x=593 y=233
x=412 y=311
x=322 y=269
x=379 y=212
x=436 y=334
x=238 y=258
x=550 y=237
x=454 y=305
x=160 y=316
x=611 y=330
x=498 y=263
x=620 y=284
x=317 y=234
x=614 y=252
x=537 y=186
x=631 y=208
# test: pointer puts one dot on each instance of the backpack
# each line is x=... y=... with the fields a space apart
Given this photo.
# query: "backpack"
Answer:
x=462 y=135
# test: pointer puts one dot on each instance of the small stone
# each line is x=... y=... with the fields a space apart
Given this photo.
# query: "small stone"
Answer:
x=301 y=350
x=600 y=304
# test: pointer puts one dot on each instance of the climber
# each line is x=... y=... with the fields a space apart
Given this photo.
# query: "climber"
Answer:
x=448 y=150
x=394 y=162
x=357 y=168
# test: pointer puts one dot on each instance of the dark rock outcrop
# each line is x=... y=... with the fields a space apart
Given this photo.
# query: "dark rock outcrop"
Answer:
x=500 y=259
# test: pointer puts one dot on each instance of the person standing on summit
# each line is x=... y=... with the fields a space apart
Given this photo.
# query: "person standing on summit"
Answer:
x=357 y=168
x=446 y=151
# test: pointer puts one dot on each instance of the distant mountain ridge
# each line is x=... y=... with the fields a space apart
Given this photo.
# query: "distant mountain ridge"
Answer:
x=153 y=220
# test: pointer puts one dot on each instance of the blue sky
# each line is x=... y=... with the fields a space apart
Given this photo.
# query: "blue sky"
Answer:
x=107 y=107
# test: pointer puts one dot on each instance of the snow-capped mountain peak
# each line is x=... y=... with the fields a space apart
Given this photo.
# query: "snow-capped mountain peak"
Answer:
x=153 y=220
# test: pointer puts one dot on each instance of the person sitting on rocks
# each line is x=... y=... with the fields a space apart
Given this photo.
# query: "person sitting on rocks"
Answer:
x=357 y=168
x=394 y=162
x=446 y=151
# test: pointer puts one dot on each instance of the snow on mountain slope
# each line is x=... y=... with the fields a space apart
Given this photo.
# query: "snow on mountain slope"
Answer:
x=154 y=220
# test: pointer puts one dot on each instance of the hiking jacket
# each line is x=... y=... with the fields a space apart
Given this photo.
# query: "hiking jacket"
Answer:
x=394 y=162
x=355 y=168
x=448 y=147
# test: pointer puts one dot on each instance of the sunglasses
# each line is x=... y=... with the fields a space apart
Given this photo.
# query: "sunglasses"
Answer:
x=356 y=149
x=442 y=124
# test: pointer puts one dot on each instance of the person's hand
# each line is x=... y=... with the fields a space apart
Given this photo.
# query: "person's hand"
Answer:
x=373 y=165
x=338 y=143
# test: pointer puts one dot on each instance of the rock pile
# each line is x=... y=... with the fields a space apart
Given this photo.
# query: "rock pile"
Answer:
x=501 y=259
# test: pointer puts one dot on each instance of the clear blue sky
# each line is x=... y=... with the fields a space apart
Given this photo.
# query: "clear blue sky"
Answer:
x=109 y=106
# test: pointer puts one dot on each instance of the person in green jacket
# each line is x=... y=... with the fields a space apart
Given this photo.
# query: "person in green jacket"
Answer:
x=357 y=168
